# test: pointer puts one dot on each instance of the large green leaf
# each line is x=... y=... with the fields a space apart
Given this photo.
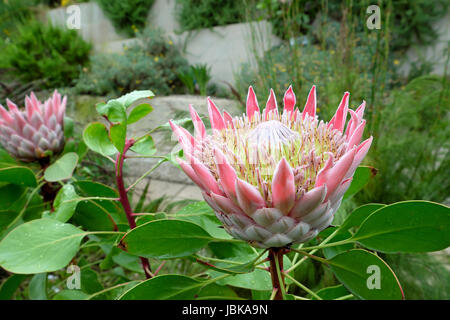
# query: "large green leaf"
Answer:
x=22 y=176
x=359 y=270
x=128 y=99
x=42 y=245
x=175 y=287
x=331 y=293
x=409 y=226
x=359 y=215
x=62 y=168
x=10 y=286
x=65 y=203
x=139 y=112
x=97 y=139
x=114 y=111
x=145 y=146
x=38 y=287
x=165 y=239
x=257 y=280
x=360 y=179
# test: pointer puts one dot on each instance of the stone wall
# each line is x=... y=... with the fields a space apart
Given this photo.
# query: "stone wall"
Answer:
x=222 y=48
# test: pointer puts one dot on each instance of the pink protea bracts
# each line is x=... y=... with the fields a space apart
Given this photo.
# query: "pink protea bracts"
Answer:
x=274 y=179
x=37 y=131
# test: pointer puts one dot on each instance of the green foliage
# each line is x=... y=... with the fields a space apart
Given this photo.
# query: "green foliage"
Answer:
x=411 y=148
x=411 y=22
x=46 y=52
x=198 y=14
x=127 y=16
x=13 y=13
x=196 y=79
x=152 y=62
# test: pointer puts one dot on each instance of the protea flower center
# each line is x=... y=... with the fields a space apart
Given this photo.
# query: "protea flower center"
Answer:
x=274 y=179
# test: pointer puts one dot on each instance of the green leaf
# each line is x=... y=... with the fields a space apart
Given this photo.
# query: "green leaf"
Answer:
x=89 y=281
x=38 y=287
x=70 y=295
x=165 y=239
x=257 y=280
x=42 y=245
x=359 y=270
x=114 y=111
x=62 y=168
x=360 y=179
x=359 y=215
x=10 y=286
x=409 y=226
x=22 y=176
x=171 y=287
x=145 y=146
x=97 y=139
x=65 y=203
x=68 y=127
x=139 y=112
x=201 y=213
x=230 y=268
x=128 y=99
x=332 y=293
x=118 y=135
x=179 y=122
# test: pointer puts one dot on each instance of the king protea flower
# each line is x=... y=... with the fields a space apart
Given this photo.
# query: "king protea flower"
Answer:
x=274 y=179
x=35 y=132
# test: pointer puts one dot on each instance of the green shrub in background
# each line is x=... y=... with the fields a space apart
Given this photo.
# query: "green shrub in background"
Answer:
x=197 y=14
x=152 y=62
x=412 y=149
x=127 y=16
x=46 y=52
x=411 y=20
x=196 y=79
x=13 y=13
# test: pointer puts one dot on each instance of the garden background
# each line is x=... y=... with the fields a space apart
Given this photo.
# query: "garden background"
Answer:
x=185 y=50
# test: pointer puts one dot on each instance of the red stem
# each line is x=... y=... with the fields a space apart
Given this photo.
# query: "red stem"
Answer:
x=276 y=253
x=125 y=201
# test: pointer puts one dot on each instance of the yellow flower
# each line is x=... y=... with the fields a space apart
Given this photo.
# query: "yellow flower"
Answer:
x=396 y=62
x=65 y=2
x=156 y=59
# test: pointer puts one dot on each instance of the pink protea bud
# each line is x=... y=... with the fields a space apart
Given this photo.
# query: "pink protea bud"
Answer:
x=274 y=179
x=35 y=132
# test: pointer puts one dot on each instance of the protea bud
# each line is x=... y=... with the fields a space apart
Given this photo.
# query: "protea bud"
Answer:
x=274 y=179
x=37 y=131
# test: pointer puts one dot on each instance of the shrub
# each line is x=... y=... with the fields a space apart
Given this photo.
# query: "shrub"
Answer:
x=46 y=52
x=152 y=62
x=410 y=21
x=413 y=143
x=197 y=14
x=127 y=16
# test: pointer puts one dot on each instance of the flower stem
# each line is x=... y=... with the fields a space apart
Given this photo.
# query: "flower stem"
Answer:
x=123 y=198
x=276 y=267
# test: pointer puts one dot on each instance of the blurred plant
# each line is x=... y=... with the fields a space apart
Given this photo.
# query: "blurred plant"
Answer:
x=196 y=78
x=152 y=61
x=13 y=13
x=413 y=150
x=47 y=53
x=411 y=22
x=198 y=14
x=127 y=16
